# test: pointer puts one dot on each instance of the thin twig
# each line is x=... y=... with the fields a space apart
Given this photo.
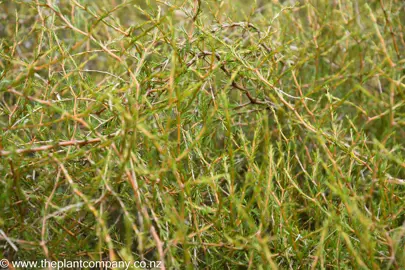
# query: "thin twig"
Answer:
x=53 y=146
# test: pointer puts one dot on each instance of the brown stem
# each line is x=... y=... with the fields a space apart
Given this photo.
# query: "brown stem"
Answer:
x=52 y=146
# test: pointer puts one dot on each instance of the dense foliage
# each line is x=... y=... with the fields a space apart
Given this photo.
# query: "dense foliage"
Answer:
x=213 y=133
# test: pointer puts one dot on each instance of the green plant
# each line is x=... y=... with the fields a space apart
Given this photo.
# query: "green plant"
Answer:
x=209 y=134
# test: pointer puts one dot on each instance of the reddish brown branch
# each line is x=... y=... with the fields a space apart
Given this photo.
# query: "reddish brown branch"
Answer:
x=52 y=146
x=234 y=84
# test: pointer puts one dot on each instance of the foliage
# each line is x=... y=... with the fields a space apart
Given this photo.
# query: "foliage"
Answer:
x=209 y=134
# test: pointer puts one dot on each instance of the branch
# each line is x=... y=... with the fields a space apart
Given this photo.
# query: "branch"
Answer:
x=53 y=146
x=252 y=99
